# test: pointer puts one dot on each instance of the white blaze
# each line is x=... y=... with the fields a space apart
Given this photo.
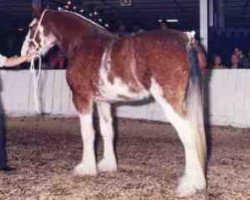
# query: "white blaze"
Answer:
x=26 y=42
x=25 y=46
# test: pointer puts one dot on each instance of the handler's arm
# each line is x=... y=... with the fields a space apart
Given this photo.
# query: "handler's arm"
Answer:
x=13 y=61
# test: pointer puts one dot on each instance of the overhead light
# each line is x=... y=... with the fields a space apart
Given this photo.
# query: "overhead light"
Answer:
x=172 y=20
x=126 y=2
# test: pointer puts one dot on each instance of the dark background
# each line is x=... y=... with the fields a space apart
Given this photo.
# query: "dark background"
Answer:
x=15 y=16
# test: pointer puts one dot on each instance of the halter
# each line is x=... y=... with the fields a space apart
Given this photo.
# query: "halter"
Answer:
x=33 y=40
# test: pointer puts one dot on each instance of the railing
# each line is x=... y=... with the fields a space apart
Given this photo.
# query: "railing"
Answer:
x=229 y=98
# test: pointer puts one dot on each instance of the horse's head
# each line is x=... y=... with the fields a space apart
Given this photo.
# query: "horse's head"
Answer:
x=68 y=30
x=40 y=37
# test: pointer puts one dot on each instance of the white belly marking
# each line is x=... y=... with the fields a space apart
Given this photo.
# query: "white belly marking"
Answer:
x=115 y=89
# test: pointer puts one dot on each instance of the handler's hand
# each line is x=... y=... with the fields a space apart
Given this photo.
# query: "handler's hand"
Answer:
x=30 y=56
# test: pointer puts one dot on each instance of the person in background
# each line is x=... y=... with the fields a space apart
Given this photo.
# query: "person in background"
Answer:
x=164 y=25
x=7 y=62
x=239 y=53
x=122 y=30
x=217 y=63
x=246 y=61
x=234 y=62
x=137 y=29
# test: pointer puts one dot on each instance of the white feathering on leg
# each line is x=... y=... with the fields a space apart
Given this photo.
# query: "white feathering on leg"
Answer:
x=108 y=162
x=88 y=164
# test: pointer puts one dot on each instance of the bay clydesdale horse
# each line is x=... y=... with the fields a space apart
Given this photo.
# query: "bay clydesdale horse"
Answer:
x=104 y=68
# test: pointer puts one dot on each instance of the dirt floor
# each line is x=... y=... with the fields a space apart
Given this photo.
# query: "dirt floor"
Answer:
x=44 y=151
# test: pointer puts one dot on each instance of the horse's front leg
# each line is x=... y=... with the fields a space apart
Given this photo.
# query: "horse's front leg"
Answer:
x=87 y=166
x=108 y=162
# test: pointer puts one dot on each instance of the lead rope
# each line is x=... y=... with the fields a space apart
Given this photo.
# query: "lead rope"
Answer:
x=36 y=75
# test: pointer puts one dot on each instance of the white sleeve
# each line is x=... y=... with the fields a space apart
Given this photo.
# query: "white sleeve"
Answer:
x=2 y=60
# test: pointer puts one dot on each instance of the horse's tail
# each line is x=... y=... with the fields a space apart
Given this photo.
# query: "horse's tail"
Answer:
x=194 y=104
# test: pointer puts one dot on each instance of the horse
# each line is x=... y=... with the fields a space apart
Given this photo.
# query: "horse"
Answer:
x=104 y=68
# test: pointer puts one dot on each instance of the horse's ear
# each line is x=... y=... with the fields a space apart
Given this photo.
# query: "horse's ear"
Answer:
x=36 y=12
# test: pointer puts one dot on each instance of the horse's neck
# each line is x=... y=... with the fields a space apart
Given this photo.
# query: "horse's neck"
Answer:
x=89 y=40
x=81 y=35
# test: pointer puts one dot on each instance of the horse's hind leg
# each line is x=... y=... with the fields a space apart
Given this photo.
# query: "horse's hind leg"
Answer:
x=193 y=140
x=108 y=162
x=87 y=166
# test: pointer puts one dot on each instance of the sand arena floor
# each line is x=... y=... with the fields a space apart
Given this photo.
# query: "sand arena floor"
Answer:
x=44 y=151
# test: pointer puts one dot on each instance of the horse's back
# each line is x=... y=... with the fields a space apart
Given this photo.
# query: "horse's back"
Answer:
x=170 y=45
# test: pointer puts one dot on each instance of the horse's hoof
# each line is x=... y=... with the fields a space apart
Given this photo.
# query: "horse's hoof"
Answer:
x=106 y=165
x=189 y=186
x=84 y=170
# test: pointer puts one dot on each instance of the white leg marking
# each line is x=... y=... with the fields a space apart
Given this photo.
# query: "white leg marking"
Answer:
x=108 y=162
x=88 y=164
x=193 y=179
